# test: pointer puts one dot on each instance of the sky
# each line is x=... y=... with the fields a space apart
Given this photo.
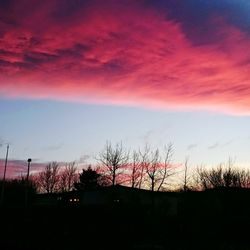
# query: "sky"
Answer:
x=74 y=74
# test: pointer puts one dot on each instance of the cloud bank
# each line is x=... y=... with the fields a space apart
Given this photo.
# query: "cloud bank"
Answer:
x=132 y=53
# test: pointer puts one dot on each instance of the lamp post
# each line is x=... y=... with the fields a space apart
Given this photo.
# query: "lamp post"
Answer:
x=27 y=183
x=4 y=175
x=28 y=173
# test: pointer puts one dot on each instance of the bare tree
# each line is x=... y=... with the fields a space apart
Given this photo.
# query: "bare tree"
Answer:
x=113 y=160
x=135 y=176
x=186 y=183
x=158 y=167
x=167 y=170
x=48 y=179
x=223 y=177
x=208 y=179
x=152 y=168
x=144 y=162
x=68 y=176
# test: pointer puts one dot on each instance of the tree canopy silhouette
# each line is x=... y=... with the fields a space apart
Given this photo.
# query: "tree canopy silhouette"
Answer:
x=88 y=179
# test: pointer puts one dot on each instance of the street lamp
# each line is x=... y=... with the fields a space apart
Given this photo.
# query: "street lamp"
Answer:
x=27 y=183
x=28 y=173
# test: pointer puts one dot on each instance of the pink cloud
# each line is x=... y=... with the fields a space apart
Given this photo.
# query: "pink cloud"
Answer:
x=121 y=54
x=18 y=168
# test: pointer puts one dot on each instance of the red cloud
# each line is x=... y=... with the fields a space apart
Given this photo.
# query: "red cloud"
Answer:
x=123 y=54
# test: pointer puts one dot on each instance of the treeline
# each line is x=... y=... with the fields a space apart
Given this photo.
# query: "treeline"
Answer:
x=147 y=169
x=151 y=169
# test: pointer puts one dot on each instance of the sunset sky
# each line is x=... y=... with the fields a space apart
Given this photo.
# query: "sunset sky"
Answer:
x=74 y=74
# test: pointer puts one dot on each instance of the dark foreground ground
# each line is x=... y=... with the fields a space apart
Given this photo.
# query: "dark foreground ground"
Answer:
x=130 y=227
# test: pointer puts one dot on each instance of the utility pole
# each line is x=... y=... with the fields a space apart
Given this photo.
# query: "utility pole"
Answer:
x=185 y=187
x=27 y=183
x=4 y=174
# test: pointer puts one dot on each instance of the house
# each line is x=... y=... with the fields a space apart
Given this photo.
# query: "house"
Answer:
x=119 y=196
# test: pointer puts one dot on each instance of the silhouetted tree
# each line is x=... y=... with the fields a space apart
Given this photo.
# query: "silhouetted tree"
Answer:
x=186 y=181
x=135 y=170
x=143 y=164
x=152 y=168
x=166 y=169
x=88 y=179
x=68 y=176
x=158 y=168
x=113 y=160
x=49 y=179
x=223 y=177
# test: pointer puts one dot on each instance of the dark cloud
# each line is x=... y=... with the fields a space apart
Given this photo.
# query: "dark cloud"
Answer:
x=227 y=143
x=53 y=147
x=67 y=10
x=1 y=142
x=76 y=51
x=214 y=146
x=197 y=16
x=37 y=58
x=192 y=146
